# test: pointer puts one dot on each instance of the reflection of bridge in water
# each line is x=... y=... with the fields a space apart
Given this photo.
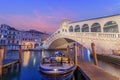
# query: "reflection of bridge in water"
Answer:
x=104 y=32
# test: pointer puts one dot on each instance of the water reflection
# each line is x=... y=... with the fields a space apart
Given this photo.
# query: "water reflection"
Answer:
x=65 y=77
x=26 y=58
x=87 y=55
x=31 y=61
x=34 y=61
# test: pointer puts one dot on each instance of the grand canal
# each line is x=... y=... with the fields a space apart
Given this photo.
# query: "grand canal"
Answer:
x=32 y=59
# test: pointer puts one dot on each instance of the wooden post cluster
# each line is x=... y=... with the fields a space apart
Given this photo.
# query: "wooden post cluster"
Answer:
x=94 y=54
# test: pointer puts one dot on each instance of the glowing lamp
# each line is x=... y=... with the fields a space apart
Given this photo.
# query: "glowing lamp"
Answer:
x=55 y=70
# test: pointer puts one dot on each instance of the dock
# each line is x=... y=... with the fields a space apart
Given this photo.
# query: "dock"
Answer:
x=88 y=71
x=8 y=62
x=91 y=72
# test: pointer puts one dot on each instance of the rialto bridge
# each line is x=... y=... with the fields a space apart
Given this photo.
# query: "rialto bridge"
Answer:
x=103 y=31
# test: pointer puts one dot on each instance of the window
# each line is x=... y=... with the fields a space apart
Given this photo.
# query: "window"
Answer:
x=111 y=26
x=77 y=28
x=96 y=27
x=70 y=29
x=85 y=28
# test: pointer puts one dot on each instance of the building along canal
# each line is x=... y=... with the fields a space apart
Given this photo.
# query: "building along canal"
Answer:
x=32 y=59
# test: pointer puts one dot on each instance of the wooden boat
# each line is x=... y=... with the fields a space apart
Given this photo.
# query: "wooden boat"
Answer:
x=56 y=65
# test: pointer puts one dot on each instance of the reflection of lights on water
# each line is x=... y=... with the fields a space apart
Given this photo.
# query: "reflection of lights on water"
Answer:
x=88 y=51
x=55 y=70
x=34 y=61
x=26 y=58
x=43 y=53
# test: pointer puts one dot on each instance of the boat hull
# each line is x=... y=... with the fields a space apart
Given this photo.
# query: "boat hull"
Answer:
x=56 y=71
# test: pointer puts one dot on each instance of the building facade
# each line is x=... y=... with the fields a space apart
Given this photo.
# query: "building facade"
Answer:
x=12 y=38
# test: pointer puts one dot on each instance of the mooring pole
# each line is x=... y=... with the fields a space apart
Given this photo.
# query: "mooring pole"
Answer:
x=20 y=55
x=20 y=58
x=5 y=52
x=78 y=53
x=15 y=66
x=82 y=51
x=1 y=59
x=94 y=54
x=68 y=51
x=75 y=54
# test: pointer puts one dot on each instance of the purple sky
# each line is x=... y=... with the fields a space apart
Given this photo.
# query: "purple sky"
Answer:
x=46 y=15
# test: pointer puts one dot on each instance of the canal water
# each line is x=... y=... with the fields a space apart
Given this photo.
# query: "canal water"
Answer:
x=30 y=67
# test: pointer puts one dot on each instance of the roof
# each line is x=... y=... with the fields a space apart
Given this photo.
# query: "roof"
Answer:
x=35 y=31
x=9 y=27
x=97 y=18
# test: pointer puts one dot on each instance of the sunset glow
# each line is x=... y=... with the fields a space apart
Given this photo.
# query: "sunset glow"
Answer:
x=46 y=15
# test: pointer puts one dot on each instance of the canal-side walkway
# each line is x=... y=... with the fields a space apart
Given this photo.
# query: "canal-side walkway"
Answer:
x=93 y=72
x=114 y=59
x=114 y=56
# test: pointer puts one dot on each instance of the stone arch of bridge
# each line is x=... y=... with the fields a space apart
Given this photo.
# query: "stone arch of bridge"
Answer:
x=62 y=42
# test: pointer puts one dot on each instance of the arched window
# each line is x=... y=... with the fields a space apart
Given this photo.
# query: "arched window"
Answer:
x=96 y=27
x=85 y=28
x=62 y=30
x=111 y=26
x=58 y=31
x=70 y=29
x=77 y=28
x=65 y=30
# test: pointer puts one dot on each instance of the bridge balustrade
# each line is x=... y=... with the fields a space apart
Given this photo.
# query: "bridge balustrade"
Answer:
x=109 y=35
x=118 y=35
x=82 y=34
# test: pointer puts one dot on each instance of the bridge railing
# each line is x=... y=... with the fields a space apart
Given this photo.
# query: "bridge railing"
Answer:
x=109 y=35
x=83 y=34
x=101 y=35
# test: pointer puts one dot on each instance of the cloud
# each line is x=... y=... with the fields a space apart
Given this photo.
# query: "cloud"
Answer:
x=27 y=22
x=39 y=21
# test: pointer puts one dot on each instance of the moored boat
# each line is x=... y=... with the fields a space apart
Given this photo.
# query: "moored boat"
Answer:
x=56 y=65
